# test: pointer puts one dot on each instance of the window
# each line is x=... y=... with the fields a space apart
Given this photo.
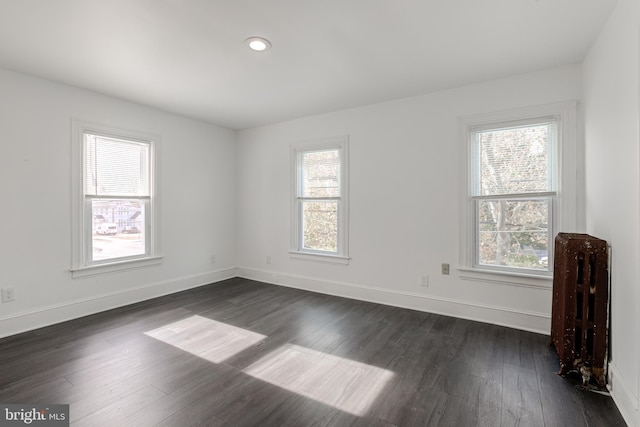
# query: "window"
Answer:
x=114 y=199
x=513 y=210
x=319 y=203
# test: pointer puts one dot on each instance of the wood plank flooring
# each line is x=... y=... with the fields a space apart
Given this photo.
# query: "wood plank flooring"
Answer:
x=244 y=353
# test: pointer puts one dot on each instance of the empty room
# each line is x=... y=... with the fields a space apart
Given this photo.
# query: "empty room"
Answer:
x=327 y=213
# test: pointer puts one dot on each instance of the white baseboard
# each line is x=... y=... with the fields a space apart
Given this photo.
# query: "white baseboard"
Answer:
x=45 y=316
x=503 y=316
x=621 y=393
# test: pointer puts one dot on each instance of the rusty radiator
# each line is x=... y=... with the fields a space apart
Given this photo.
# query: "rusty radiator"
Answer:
x=579 y=315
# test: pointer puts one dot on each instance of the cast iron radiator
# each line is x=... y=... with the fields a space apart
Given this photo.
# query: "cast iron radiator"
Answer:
x=579 y=315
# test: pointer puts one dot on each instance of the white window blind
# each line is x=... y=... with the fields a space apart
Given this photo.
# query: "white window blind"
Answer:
x=320 y=174
x=115 y=167
x=517 y=159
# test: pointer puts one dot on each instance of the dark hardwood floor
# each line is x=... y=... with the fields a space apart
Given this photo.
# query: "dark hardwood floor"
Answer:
x=243 y=353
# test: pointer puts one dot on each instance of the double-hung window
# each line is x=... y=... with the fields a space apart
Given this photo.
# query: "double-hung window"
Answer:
x=514 y=193
x=114 y=200
x=319 y=203
x=513 y=207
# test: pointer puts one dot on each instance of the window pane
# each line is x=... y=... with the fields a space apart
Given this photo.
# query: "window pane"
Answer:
x=320 y=225
x=115 y=167
x=514 y=233
x=118 y=228
x=516 y=160
x=320 y=174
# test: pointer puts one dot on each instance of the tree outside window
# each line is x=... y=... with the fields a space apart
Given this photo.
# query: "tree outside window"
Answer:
x=513 y=193
x=319 y=203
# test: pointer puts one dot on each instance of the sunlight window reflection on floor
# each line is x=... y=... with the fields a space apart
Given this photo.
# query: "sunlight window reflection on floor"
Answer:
x=211 y=340
x=342 y=383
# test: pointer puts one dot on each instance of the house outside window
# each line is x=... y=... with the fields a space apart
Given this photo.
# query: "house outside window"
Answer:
x=115 y=199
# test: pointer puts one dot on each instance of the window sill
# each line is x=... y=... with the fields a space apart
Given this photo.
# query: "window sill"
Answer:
x=331 y=259
x=511 y=278
x=93 y=270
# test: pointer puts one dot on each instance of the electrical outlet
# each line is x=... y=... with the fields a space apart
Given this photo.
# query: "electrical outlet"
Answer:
x=268 y=259
x=424 y=280
x=445 y=268
x=8 y=294
x=212 y=259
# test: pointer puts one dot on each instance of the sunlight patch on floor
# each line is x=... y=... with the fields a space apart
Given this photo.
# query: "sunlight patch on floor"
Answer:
x=206 y=338
x=342 y=383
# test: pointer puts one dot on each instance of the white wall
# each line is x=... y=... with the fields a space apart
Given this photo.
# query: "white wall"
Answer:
x=197 y=169
x=404 y=207
x=611 y=74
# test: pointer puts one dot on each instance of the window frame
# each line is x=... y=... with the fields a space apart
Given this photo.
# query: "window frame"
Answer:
x=562 y=197
x=81 y=214
x=297 y=251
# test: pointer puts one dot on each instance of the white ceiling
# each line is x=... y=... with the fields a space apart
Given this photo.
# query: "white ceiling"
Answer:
x=189 y=56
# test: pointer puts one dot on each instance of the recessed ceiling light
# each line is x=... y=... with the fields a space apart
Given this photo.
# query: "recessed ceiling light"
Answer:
x=258 y=44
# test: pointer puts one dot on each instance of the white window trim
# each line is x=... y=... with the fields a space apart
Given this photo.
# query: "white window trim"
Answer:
x=79 y=268
x=295 y=252
x=564 y=211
